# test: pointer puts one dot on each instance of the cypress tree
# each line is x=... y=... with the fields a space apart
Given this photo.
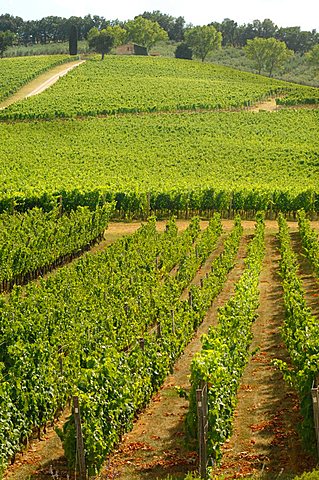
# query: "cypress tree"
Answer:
x=73 y=40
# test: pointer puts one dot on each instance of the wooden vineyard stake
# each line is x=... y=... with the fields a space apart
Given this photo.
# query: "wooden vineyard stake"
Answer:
x=142 y=343
x=80 y=458
x=202 y=416
x=173 y=322
x=315 y=403
x=159 y=330
x=190 y=299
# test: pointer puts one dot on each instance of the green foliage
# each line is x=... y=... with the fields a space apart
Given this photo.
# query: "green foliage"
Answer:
x=267 y=53
x=129 y=84
x=308 y=476
x=6 y=40
x=45 y=49
x=32 y=242
x=313 y=56
x=173 y=26
x=309 y=240
x=183 y=51
x=119 y=34
x=87 y=321
x=15 y=72
x=266 y=161
x=300 y=330
x=299 y=96
x=296 y=69
x=104 y=40
x=144 y=32
x=203 y=40
x=100 y=41
x=225 y=349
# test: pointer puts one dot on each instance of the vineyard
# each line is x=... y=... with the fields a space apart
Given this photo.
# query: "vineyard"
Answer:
x=130 y=85
x=145 y=139
x=15 y=72
x=266 y=161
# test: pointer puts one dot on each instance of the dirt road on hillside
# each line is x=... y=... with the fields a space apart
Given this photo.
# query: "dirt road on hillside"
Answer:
x=41 y=83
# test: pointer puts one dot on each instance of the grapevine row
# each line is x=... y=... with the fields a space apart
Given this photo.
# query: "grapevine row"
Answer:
x=300 y=331
x=50 y=333
x=143 y=84
x=230 y=167
x=120 y=384
x=309 y=239
x=33 y=242
x=225 y=351
x=15 y=72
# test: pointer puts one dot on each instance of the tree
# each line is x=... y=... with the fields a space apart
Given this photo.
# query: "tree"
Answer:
x=183 y=51
x=173 y=26
x=313 y=56
x=267 y=53
x=298 y=40
x=268 y=29
x=6 y=40
x=73 y=41
x=100 y=41
x=228 y=29
x=118 y=33
x=277 y=54
x=203 y=40
x=9 y=22
x=144 y=32
x=256 y=51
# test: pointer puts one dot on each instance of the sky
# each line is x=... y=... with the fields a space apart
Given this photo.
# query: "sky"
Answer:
x=283 y=13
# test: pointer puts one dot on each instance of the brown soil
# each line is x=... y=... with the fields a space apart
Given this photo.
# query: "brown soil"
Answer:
x=268 y=106
x=40 y=454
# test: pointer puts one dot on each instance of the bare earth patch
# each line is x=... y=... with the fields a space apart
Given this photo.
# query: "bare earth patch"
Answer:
x=268 y=106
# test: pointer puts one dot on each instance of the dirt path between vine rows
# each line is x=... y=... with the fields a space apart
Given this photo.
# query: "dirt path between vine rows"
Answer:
x=265 y=438
x=265 y=441
x=42 y=456
x=41 y=83
x=156 y=446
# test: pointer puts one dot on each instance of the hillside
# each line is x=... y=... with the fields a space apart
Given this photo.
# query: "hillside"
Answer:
x=122 y=84
x=142 y=138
